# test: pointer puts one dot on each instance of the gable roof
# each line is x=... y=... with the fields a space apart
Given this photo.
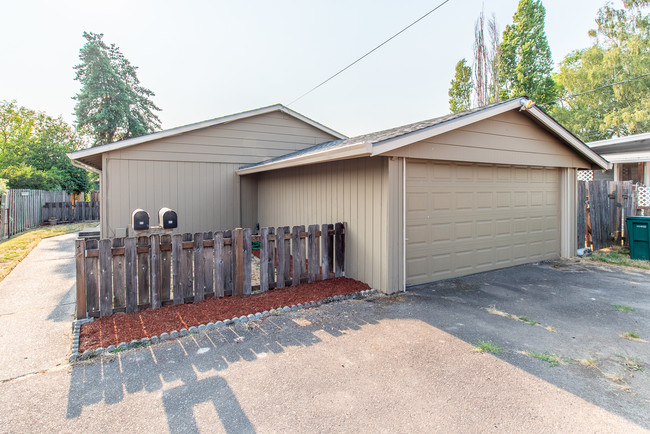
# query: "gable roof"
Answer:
x=88 y=157
x=635 y=148
x=387 y=140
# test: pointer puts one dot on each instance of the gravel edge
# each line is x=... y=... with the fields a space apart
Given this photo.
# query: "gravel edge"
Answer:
x=174 y=334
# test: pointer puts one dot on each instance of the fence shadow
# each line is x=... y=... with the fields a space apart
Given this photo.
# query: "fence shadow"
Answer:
x=195 y=361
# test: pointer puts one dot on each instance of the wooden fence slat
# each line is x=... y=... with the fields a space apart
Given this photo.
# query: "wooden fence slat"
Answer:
x=131 y=274
x=199 y=277
x=165 y=262
x=186 y=278
x=80 y=260
x=271 y=259
x=339 y=246
x=582 y=213
x=296 y=253
x=282 y=257
x=105 y=277
x=118 y=275
x=219 y=272
x=303 y=253
x=247 y=266
x=92 y=278
x=208 y=264
x=313 y=251
x=155 y=271
x=238 y=261
x=228 y=262
x=264 y=259
x=177 y=269
x=143 y=271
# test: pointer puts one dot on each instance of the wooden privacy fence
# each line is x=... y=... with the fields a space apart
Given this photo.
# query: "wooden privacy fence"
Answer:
x=67 y=212
x=128 y=274
x=21 y=209
x=603 y=207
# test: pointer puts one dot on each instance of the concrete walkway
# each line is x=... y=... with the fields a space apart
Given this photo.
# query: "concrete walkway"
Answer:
x=356 y=366
x=36 y=309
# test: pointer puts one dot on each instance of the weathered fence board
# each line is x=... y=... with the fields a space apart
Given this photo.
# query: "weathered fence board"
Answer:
x=127 y=274
x=603 y=207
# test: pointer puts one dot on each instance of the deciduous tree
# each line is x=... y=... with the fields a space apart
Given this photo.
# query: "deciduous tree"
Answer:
x=460 y=92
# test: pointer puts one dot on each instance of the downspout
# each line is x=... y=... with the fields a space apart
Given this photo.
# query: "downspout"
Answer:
x=404 y=224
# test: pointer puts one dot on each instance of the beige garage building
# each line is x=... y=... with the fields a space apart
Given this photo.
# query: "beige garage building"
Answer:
x=464 y=193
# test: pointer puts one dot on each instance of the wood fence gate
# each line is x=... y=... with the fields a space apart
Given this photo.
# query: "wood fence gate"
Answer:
x=128 y=274
x=603 y=207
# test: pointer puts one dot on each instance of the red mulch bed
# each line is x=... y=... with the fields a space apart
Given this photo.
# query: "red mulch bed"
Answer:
x=122 y=327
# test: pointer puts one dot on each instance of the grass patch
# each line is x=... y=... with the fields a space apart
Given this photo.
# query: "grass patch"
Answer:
x=623 y=308
x=494 y=311
x=618 y=256
x=14 y=250
x=632 y=364
x=488 y=347
x=631 y=336
x=550 y=358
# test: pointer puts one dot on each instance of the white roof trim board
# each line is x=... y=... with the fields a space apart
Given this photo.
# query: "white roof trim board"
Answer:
x=375 y=144
x=187 y=128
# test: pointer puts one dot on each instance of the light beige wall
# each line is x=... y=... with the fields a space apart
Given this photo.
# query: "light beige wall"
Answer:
x=509 y=138
x=194 y=173
x=351 y=191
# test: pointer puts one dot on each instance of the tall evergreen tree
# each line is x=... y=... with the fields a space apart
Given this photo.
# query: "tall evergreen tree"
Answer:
x=460 y=92
x=112 y=104
x=525 y=62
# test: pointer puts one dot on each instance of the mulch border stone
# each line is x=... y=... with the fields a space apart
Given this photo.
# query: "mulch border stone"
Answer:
x=76 y=356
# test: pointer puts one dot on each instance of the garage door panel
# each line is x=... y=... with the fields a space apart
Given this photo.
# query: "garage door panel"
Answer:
x=478 y=217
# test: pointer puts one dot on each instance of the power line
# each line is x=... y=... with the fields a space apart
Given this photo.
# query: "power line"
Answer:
x=595 y=89
x=371 y=51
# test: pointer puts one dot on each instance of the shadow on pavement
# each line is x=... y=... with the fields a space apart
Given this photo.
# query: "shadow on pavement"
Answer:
x=195 y=361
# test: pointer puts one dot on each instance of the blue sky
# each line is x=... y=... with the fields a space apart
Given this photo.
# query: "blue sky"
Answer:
x=205 y=59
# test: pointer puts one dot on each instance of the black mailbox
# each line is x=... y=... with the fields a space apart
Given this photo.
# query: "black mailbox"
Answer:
x=140 y=220
x=167 y=218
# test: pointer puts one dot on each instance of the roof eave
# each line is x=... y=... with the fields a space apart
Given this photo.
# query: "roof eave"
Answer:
x=363 y=149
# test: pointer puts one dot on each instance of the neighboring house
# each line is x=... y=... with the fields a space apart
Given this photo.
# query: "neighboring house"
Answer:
x=464 y=193
x=630 y=156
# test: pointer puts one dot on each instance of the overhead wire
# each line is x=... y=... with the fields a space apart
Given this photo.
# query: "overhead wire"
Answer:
x=597 y=88
x=369 y=52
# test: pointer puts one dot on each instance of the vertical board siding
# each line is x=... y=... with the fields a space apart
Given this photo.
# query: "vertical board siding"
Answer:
x=353 y=191
x=202 y=194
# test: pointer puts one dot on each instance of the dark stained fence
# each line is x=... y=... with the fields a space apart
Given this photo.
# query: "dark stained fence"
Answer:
x=67 y=212
x=127 y=274
x=603 y=207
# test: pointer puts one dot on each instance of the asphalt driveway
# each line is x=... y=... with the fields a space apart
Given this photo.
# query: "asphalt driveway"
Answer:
x=381 y=364
x=558 y=321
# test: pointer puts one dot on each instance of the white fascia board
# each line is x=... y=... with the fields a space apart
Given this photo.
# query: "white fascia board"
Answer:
x=197 y=126
x=363 y=149
x=628 y=157
x=620 y=140
x=569 y=138
x=444 y=127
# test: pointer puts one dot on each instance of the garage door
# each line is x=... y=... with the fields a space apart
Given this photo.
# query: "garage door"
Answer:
x=467 y=218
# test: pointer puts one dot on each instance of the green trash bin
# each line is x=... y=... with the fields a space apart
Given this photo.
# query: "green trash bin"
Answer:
x=638 y=229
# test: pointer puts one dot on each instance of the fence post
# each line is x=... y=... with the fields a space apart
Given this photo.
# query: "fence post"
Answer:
x=295 y=251
x=186 y=277
x=80 y=260
x=208 y=264
x=166 y=261
x=282 y=258
x=326 y=251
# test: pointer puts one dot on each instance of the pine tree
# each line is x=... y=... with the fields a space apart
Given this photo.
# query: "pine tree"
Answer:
x=525 y=62
x=111 y=105
x=461 y=88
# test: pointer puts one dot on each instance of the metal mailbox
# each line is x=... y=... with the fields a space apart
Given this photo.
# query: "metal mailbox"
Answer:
x=140 y=220
x=167 y=218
